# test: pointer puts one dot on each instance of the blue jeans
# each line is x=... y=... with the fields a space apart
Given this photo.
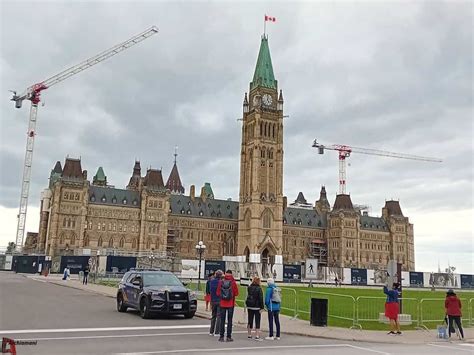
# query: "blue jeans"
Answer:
x=230 y=315
x=274 y=315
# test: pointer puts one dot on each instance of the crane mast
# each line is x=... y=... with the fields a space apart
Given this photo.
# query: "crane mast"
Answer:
x=33 y=93
x=345 y=151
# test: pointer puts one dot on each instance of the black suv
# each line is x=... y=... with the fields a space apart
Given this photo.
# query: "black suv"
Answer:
x=155 y=291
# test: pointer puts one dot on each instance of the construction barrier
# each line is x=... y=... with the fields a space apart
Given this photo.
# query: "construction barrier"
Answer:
x=346 y=309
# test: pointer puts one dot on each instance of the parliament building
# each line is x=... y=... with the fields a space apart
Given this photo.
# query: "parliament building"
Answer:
x=80 y=215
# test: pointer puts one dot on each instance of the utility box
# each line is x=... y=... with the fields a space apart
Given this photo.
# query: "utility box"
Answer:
x=319 y=312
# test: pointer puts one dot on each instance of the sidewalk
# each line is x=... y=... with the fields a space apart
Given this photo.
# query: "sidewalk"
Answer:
x=288 y=325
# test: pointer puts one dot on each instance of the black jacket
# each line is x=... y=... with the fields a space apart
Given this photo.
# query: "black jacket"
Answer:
x=254 y=297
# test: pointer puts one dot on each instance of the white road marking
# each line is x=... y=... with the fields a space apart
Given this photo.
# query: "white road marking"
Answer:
x=121 y=336
x=112 y=329
x=367 y=349
x=250 y=348
x=467 y=345
x=449 y=347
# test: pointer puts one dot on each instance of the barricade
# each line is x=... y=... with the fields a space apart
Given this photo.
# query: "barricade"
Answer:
x=471 y=314
x=345 y=311
x=432 y=311
x=289 y=301
x=369 y=309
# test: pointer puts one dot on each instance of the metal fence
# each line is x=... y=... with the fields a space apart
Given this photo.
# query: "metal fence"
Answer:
x=371 y=309
x=470 y=311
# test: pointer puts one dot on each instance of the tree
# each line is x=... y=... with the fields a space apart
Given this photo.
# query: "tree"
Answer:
x=11 y=247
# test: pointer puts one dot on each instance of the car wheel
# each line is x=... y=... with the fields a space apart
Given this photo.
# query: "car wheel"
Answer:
x=189 y=315
x=121 y=307
x=144 y=309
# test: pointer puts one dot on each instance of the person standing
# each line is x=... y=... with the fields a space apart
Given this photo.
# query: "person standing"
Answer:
x=86 y=274
x=215 y=300
x=66 y=273
x=272 y=302
x=452 y=305
x=392 y=308
x=207 y=296
x=255 y=306
x=227 y=291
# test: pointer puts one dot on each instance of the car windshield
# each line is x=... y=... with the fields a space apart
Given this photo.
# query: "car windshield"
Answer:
x=160 y=279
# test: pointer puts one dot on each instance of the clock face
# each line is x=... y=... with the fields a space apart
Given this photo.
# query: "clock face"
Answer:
x=267 y=100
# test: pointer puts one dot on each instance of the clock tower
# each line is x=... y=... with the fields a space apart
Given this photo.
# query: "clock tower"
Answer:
x=260 y=228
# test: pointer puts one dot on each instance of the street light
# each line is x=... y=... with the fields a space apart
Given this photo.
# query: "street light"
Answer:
x=96 y=265
x=151 y=257
x=200 y=248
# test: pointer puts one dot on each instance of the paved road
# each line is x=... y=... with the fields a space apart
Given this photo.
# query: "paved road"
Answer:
x=68 y=321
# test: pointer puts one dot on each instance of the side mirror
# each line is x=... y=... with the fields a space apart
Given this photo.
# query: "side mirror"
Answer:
x=136 y=283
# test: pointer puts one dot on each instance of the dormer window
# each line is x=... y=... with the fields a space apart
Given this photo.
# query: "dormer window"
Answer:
x=135 y=202
x=182 y=211
x=201 y=213
x=103 y=199
x=92 y=198
x=124 y=201
x=189 y=211
x=114 y=200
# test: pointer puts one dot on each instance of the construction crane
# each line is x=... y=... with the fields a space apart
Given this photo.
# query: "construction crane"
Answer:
x=345 y=151
x=33 y=94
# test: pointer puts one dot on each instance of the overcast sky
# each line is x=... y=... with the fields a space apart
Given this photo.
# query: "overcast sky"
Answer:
x=396 y=76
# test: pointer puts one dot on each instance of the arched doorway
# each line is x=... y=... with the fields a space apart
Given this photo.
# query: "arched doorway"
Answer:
x=247 y=254
x=267 y=260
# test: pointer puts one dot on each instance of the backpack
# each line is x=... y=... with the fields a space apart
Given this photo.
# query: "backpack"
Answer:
x=226 y=290
x=276 y=295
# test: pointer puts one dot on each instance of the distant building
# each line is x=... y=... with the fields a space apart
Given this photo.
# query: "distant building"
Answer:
x=150 y=215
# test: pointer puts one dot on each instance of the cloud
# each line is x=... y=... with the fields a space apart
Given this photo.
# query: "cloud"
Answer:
x=374 y=75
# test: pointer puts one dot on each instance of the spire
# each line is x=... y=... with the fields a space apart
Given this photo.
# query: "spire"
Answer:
x=174 y=181
x=99 y=178
x=263 y=75
x=57 y=168
x=135 y=181
x=322 y=193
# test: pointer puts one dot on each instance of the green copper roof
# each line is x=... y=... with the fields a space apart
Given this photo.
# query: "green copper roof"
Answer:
x=263 y=75
x=99 y=175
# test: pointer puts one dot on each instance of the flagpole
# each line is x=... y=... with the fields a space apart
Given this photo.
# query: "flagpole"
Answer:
x=264 y=26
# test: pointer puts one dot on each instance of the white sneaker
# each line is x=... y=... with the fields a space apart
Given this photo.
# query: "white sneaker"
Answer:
x=277 y=338
x=211 y=334
x=269 y=338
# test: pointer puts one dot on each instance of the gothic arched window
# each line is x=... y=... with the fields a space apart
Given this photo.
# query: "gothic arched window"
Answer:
x=267 y=219
x=86 y=241
x=99 y=242
x=134 y=243
x=122 y=242
x=111 y=242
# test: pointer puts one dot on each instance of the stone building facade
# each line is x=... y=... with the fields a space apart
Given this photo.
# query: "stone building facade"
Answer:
x=79 y=215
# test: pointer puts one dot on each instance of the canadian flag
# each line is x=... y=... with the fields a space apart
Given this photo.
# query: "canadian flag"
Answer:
x=269 y=18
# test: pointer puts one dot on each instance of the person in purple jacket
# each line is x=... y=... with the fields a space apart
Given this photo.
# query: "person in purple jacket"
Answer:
x=215 y=301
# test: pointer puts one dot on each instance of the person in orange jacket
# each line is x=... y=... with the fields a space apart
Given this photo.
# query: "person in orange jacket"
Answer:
x=227 y=290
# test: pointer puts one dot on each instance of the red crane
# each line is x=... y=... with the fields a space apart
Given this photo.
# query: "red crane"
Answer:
x=33 y=94
x=346 y=150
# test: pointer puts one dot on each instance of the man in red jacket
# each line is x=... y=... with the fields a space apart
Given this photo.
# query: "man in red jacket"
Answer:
x=227 y=290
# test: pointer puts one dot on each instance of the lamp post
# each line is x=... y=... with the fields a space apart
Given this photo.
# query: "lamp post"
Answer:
x=151 y=257
x=96 y=265
x=200 y=248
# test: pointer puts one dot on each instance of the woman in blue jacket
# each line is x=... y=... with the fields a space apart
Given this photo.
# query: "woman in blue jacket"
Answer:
x=273 y=309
